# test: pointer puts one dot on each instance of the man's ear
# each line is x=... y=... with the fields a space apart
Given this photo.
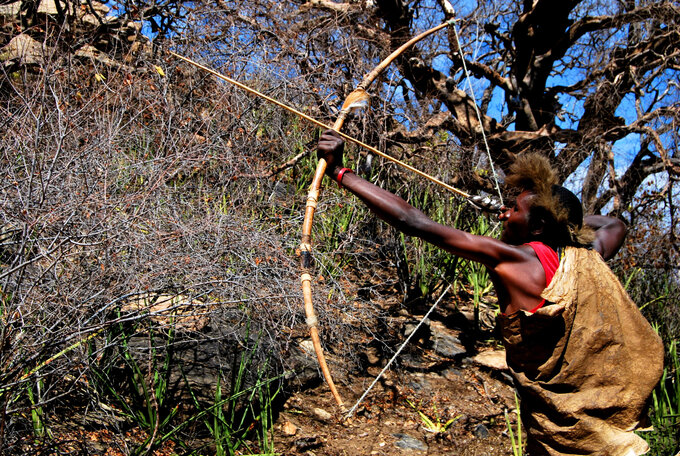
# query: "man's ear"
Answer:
x=537 y=225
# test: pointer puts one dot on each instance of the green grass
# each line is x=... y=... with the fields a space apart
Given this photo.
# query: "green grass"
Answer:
x=665 y=409
x=146 y=401
x=515 y=435
x=656 y=292
x=433 y=422
x=233 y=419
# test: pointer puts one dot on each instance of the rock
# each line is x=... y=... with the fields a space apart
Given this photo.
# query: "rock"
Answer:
x=372 y=356
x=91 y=21
x=100 y=8
x=452 y=374
x=81 y=20
x=493 y=359
x=407 y=442
x=23 y=48
x=307 y=443
x=92 y=53
x=409 y=328
x=321 y=414
x=48 y=7
x=445 y=341
x=302 y=369
x=468 y=315
x=134 y=28
x=184 y=312
x=10 y=9
x=416 y=361
x=307 y=347
x=481 y=431
x=289 y=428
x=410 y=424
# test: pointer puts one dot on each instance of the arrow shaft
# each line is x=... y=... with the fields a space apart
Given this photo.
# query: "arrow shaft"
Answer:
x=336 y=126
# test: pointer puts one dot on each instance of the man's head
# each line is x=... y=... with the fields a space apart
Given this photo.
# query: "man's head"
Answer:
x=541 y=210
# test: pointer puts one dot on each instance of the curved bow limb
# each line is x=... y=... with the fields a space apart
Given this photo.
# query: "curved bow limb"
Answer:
x=358 y=96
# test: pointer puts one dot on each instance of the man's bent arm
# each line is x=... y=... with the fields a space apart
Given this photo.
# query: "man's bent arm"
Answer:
x=609 y=234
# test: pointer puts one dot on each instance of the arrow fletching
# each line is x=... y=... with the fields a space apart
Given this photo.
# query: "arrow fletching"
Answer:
x=356 y=101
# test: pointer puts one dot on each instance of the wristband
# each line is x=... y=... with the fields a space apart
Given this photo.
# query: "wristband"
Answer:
x=342 y=173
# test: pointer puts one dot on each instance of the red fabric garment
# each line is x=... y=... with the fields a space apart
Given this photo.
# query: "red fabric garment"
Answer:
x=549 y=260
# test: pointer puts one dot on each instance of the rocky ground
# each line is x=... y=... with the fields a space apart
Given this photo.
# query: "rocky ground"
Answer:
x=448 y=392
x=442 y=397
x=389 y=421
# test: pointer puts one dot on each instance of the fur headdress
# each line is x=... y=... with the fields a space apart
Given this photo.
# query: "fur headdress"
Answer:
x=560 y=208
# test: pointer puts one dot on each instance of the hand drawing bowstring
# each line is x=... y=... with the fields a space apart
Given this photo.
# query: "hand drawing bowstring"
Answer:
x=357 y=98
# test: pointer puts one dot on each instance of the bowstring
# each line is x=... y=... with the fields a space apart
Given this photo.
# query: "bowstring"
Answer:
x=479 y=116
x=396 y=354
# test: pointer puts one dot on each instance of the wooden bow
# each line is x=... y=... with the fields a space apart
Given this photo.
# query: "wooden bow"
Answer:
x=357 y=97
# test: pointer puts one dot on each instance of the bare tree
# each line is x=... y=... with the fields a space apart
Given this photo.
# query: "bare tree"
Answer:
x=590 y=84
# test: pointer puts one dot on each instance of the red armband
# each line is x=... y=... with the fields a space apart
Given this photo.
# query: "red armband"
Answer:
x=342 y=173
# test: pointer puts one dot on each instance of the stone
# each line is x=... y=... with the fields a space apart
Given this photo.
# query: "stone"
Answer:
x=322 y=414
x=48 y=7
x=10 y=9
x=372 y=356
x=481 y=431
x=182 y=311
x=493 y=359
x=289 y=428
x=407 y=442
x=307 y=347
x=302 y=367
x=445 y=342
x=101 y=8
x=91 y=52
x=23 y=48
x=307 y=443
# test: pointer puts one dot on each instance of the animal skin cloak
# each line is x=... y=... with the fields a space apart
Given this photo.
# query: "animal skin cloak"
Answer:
x=584 y=366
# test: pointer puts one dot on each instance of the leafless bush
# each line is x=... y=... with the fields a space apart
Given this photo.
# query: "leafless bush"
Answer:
x=131 y=186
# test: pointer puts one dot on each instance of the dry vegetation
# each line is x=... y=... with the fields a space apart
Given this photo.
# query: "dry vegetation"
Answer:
x=148 y=229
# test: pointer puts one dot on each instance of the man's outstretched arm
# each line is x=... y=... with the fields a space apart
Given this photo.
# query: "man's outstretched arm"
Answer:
x=609 y=234
x=409 y=220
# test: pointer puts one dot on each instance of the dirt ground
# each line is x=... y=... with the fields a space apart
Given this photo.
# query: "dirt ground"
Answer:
x=444 y=395
x=428 y=404
x=447 y=394
x=389 y=421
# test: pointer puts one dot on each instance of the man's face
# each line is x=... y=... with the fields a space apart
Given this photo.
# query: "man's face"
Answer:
x=516 y=220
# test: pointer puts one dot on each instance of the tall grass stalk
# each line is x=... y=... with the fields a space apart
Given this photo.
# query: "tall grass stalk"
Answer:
x=40 y=430
x=426 y=268
x=476 y=274
x=516 y=435
x=149 y=405
x=665 y=410
x=234 y=417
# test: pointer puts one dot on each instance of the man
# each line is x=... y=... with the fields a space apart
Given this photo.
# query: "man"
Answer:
x=584 y=359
